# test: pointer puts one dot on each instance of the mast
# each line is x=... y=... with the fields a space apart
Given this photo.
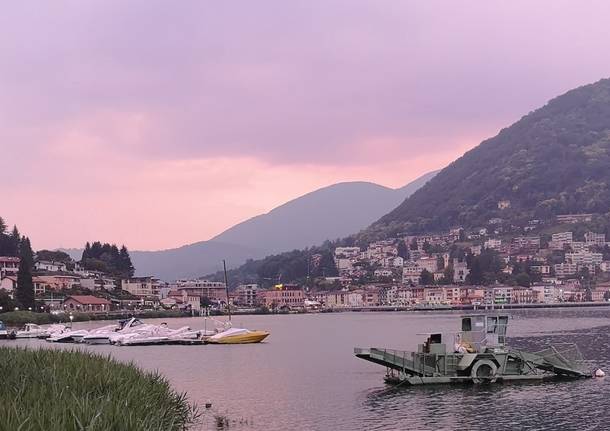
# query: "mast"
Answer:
x=224 y=265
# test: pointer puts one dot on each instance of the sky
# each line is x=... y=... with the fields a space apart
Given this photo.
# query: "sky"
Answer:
x=156 y=124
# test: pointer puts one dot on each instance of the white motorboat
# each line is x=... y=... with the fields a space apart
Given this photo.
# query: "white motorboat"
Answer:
x=157 y=335
x=31 y=330
x=4 y=332
x=52 y=330
x=99 y=335
x=131 y=328
x=68 y=336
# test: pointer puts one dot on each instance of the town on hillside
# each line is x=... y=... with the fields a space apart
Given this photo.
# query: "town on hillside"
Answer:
x=486 y=266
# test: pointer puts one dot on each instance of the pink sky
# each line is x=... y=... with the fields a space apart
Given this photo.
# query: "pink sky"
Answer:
x=156 y=124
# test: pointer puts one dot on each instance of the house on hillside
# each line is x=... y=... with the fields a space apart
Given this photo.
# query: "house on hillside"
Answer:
x=9 y=265
x=86 y=303
x=50 y=266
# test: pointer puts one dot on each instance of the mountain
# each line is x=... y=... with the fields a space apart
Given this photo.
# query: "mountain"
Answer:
x=552 y=161
x=328 y=213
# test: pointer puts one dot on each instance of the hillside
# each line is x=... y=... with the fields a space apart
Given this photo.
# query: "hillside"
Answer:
x=552 y=161
x=328 y=213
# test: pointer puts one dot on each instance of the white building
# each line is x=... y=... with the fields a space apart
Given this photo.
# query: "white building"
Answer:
x=142 y=286
x=50 y=266
x=460 y=271
x=493 y=243
x=410 y=273
x=584 y=258
x=592 y=238
x=347 y=252
x=246 y=294
x=9 y=266
x=563 y=270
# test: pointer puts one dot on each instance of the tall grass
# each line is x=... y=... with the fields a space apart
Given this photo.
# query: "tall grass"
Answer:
x=58 y=390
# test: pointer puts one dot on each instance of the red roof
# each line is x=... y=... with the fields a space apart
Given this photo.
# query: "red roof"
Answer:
x=88 y=300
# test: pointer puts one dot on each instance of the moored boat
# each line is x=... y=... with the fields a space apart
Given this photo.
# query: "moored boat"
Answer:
x=237 y=336
x=31 y=330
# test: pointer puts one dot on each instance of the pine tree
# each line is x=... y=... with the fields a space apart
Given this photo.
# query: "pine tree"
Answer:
x=126 y=266
x=15 y=240
x=3 y=226
x=25 y=286
x=86 y=252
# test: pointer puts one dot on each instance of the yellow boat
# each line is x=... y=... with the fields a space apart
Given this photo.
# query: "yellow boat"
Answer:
x=237 y=336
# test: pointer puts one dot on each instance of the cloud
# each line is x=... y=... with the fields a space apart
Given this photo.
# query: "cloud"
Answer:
x=119 y=118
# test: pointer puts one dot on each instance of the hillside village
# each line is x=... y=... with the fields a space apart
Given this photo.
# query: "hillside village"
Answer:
x=493 y=265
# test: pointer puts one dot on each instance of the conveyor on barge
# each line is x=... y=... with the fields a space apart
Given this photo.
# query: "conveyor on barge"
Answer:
x=479 y=355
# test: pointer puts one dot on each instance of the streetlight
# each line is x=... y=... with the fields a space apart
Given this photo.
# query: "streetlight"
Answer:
x=71 y=319
x=16 y=308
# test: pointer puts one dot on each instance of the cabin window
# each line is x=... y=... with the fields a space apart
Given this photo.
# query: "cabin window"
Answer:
x=466 y=324
x=491 y=325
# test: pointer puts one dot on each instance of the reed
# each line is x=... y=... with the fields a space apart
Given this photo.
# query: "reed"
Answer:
x=57 y=390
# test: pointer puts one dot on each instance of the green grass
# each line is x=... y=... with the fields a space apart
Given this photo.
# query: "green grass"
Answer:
x=58 y=390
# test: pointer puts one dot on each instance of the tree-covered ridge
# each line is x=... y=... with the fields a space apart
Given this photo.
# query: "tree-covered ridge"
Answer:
x=296 y=265
x=553 y=161
x=107 y=258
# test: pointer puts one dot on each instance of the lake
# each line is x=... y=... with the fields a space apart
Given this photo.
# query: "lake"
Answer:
x=305 y=376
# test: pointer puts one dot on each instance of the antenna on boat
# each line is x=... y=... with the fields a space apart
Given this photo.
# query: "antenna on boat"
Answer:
x=224 y=265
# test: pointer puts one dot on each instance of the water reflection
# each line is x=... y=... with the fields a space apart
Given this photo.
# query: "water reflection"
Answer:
x=305 y=377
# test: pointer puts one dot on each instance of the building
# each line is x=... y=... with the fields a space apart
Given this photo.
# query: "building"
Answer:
x=503 y=204
x=493 y=243
x=245 y=294
x=9 y=283
x=142 y=287
x=50 y=266
x=344 y=299
x=584 y=258
x=347 y=252
x=592 y=238
x=523 y=295
x=430 y=264
x=574 y=218
x=546 y=293
x=86 y=303
x=9 y=266
x=460 y=271
x=410 y=273
x=498 y=295
x=563 y=270
x=56 y=282
x=212 y=290
x=282 y=296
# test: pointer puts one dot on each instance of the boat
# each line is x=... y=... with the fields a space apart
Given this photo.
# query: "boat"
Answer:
x=479 y=354
x=230 y=335
x=67 y=336
x=108 y=334
x=237 y=336
x=5 y=334
x=31 y=330
x=53 y=329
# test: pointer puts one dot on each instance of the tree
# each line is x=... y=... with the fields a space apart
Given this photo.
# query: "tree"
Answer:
x=3 y=226
x=413 y=245
x=402 y=249
x=440 y=263
x=426 y=277
x=25 y=286
x=523 y=279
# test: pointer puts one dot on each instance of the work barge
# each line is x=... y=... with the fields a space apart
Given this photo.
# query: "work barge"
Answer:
x=479 y=354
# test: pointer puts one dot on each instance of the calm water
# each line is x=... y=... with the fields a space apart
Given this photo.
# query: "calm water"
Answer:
x=305 y=377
